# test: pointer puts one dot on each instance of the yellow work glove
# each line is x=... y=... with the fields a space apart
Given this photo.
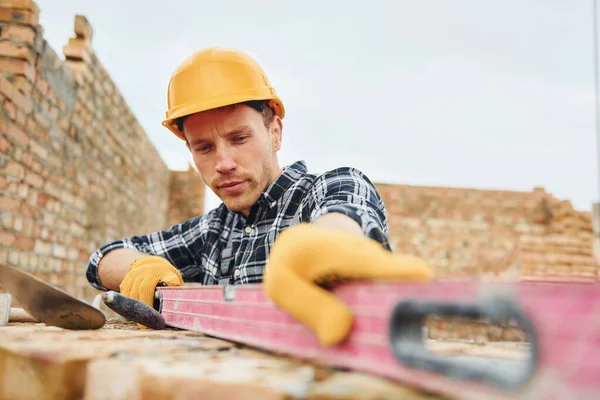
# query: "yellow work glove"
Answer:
x=145 y=274
x=305 y=258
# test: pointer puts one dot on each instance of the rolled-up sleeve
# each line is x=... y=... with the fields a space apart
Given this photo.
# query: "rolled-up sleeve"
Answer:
x=350 y=192
x=175 y=244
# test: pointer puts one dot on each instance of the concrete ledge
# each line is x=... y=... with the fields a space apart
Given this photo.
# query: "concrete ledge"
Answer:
x=122 y=362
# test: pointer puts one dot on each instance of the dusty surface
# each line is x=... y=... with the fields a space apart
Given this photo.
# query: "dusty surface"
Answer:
x=122 y=362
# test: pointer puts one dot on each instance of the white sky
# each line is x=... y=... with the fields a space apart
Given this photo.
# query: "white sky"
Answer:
x=483 y=94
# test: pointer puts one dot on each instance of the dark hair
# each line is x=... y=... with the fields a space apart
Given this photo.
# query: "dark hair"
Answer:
x=261 y=106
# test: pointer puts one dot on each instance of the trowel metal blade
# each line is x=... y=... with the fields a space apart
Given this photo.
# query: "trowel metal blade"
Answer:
x=49 y=304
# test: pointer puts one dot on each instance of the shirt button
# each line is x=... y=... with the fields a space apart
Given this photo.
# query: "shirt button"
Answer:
x=248 y=229
x=237 y=272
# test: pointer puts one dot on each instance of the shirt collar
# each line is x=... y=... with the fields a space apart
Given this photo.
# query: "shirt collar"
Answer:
x=289 y=175
x=272 y=193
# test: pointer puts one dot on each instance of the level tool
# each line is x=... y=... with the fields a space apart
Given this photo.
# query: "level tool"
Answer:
x=388 y=338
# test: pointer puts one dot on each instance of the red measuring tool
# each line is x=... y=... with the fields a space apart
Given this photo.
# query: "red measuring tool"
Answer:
x=561 y=321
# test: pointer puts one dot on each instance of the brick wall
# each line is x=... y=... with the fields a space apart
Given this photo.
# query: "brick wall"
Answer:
x=479 y=331
x=76 y=168
x=492 y=234
x=187 y=194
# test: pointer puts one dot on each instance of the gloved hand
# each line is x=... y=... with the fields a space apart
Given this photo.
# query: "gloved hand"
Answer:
x=306 y=257
x=145 y=274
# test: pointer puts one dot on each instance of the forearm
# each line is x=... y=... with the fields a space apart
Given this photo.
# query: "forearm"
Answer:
x=338 y=221
x=114 y=266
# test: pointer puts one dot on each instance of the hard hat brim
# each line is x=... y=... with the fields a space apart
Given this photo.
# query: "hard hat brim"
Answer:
x=212 y=104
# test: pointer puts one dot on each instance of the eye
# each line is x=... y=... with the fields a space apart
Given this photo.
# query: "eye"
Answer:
x=240 y=139
x=202 y=149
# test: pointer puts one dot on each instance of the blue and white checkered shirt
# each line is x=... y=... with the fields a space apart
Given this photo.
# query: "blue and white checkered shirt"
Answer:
x=223 y=246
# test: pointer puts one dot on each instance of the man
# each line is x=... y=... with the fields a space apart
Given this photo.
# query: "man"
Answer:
x=221 y=104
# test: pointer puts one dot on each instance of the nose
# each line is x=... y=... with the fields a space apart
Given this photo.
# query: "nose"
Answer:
x=225 y=161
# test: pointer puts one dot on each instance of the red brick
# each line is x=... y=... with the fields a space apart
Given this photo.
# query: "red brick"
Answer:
x=17 y=134
x=5 y=145
x=22 y=102
x=43 y=247
x=16 y=33
x=18 y=224
x=7 y=238
x=33 y=127
x=27 y=159
x=61 y=224
x=21 y=118
x=10 y=109
x=79 y=243
x=23 y=190
x=43 y=121
x=43 y=199
x=515 y=335
x=17 y=154
x=42 y=84
x=8 y=203
x=28 y=211
x=32 y=194
x=6 y=88
x=37 y=167
x=18 y=51
x=21 y=83
x=82 y=28
x=84 y=255
x=20 y=16
x=77 y=52
x=36 y=231
x=12 y=187
x=18 y=67
x=14 y=169
x=24 y=243
x=46 y=171
x=3 y=182
x=27 y=227
x=36 y=95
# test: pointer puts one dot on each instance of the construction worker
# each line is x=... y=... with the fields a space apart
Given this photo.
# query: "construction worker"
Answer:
x=223 y=107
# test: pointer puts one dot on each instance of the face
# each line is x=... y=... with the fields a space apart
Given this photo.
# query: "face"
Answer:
x=235 y=153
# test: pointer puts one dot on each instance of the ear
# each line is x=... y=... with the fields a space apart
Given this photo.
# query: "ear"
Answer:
x=276 y=133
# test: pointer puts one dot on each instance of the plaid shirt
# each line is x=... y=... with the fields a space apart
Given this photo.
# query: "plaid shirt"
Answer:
x=223 y=246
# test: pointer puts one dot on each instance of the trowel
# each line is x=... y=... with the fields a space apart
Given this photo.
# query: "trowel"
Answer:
x=44 y=303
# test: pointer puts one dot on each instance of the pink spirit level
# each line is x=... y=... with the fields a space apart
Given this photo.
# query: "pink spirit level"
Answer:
x=561 y=321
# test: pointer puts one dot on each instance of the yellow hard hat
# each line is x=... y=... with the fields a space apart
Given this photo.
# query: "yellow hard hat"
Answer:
x=216 y=77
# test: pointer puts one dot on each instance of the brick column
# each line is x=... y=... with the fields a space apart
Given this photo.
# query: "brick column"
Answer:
x=76 y=167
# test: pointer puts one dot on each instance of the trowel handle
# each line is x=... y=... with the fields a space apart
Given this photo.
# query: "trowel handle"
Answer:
x=8 y=313
x=20 y=315
x=134 y=310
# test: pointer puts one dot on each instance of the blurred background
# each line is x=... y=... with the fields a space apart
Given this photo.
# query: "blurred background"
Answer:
x=496 y=95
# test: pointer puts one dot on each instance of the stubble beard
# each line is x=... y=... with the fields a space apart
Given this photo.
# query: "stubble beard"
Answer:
x=255 y=187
